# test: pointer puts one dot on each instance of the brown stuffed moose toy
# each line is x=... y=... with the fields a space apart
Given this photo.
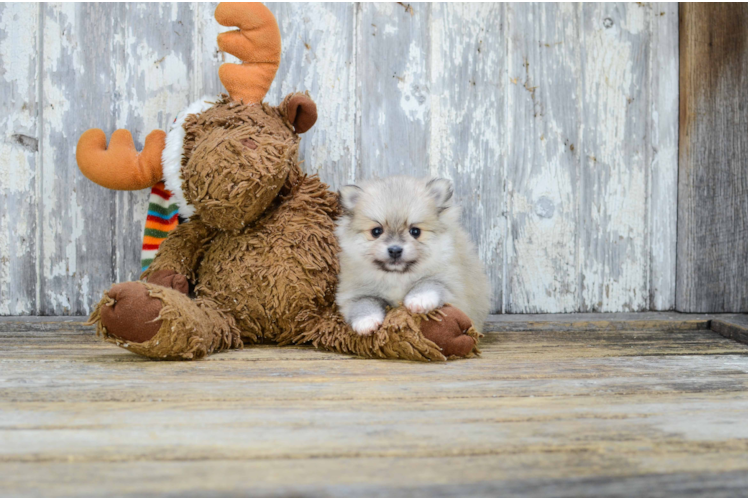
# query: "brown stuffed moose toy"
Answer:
x=257 y=259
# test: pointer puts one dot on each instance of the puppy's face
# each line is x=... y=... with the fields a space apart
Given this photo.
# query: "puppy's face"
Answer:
x=394 y=224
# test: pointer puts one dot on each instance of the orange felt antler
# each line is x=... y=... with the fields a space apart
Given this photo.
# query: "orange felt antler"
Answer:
x=120 y=166
x=257 y=43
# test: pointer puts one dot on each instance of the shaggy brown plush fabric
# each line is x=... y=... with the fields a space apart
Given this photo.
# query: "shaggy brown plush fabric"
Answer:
x=261 y=254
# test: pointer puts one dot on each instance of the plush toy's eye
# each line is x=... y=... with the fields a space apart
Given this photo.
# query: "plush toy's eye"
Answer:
x=415 y=232
x=377 y=232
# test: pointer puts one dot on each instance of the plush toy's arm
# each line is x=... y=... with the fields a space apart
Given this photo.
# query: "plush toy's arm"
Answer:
x=181 y=251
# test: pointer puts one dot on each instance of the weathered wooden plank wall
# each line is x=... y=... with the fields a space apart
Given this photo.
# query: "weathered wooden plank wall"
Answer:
x=557 y=122
x=19 y=157
x=713 y=180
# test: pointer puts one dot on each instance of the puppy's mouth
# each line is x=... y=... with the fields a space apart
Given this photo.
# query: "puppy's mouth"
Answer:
x=394 y=266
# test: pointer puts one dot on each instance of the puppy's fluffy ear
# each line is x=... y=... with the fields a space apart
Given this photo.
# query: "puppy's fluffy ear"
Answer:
x=349 y=196
x=441 y=190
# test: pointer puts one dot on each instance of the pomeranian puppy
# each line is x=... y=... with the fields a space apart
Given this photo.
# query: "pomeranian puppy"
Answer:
x=401 y=242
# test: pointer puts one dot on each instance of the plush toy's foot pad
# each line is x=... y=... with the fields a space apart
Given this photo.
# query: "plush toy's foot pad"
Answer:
x=130 y=313
x=449 y=332
x=163 y=323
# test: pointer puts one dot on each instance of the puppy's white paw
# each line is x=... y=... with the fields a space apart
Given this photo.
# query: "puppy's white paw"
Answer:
x=422 y=302
x=366 y=325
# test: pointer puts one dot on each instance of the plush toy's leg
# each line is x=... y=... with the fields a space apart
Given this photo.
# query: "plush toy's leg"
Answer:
x=445 y=333
x=163 y=323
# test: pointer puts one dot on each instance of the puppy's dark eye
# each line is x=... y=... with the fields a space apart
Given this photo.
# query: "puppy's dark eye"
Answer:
x=415 y=232
x=377 y=232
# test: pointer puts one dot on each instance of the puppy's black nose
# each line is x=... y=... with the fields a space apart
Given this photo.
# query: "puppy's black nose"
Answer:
x=395 y=251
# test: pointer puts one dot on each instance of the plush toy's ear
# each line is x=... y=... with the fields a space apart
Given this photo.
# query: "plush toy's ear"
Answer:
x=300 y=110
x=349 y=196
x=441 y=190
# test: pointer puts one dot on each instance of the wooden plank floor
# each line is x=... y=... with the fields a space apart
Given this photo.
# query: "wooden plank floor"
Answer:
x=591 y=410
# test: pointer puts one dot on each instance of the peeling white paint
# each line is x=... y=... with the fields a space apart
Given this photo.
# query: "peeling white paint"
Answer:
x=615 y=252
x=318 y=57
x=663 y=148
x=15 y=176
x=19 y=157
x=394 y=74
x=543 y=159
x=58 y=248
x=6 y=293
x=414 y=97
x=18 y=25
x=636 y=20
x=467 y=125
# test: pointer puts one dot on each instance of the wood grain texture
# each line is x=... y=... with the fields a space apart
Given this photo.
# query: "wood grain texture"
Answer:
x=491 y=96
x=319 y=57
x=19 y=157
x=614 y=238
x=393 y=67
x=368 y=477
x=565 y=413
x=78 y=223
x=207 y=56
x=591 y=124
x=664 y=321
x=732 y=328
x=663 y=150
x=543 y=164
x=469 y=122
x=712 y=178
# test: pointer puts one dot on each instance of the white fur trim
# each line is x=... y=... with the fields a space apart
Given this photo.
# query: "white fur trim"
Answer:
x=171 y=158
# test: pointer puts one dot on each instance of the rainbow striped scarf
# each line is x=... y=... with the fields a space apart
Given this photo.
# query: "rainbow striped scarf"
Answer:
x=162 y=218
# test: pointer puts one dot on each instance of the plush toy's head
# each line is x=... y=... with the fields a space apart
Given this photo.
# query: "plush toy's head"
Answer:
x=224 y=159
x=236 y=158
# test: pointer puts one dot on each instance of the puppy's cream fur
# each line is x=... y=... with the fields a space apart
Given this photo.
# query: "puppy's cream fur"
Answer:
x=437 y=266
